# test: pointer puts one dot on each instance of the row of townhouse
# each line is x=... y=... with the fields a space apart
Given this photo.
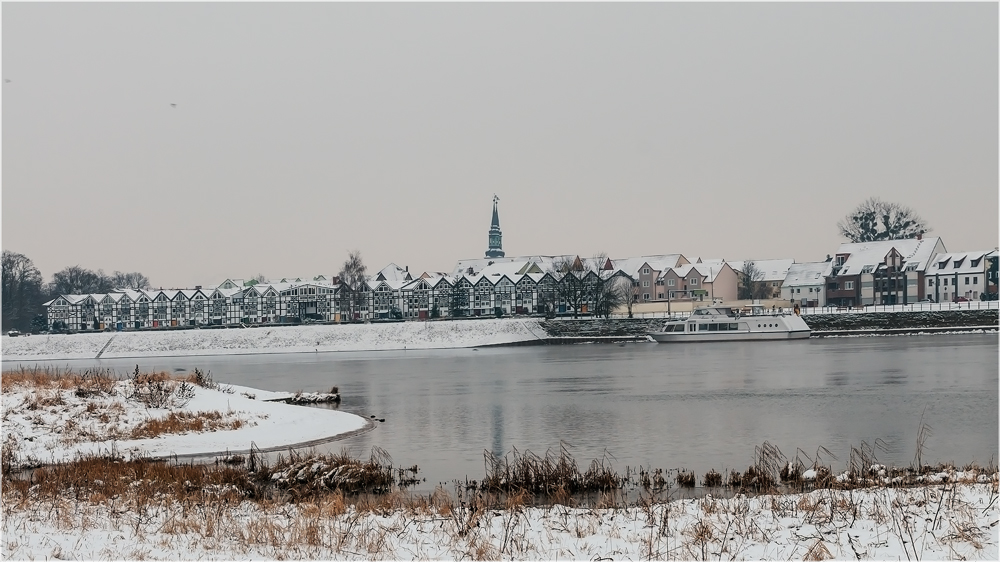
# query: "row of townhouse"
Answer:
x=505 y=286
x=230 y=303
x=893 y=272
x=890 y=272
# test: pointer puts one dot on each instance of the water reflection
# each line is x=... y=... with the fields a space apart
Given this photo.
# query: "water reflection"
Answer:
x=696 y=406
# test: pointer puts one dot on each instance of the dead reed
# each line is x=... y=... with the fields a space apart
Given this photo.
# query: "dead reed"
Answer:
x=553 y=474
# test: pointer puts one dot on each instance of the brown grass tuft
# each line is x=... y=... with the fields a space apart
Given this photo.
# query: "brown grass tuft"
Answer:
x=183 y=422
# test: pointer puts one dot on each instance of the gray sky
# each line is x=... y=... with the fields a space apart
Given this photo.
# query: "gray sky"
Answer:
x=303 y=131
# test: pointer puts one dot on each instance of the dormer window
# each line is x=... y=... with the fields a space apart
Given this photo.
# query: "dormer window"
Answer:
x=975 y=262
x=912 y=266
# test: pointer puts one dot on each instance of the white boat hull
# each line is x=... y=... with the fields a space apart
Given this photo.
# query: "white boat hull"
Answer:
x=723 y=324
x=679 y=337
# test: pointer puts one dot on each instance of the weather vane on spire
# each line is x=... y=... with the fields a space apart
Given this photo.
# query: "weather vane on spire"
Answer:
x=495 y=198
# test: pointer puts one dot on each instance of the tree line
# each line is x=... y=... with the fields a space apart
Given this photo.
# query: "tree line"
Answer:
x=24 y=289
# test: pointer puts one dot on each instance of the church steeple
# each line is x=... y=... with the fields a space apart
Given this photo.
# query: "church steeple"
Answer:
x=496 y=247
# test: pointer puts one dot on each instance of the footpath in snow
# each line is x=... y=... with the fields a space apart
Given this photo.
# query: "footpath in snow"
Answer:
x=273 y=339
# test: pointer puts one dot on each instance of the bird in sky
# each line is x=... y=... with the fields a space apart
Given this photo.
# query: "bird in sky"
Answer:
x=173 y=105
x=6 y=80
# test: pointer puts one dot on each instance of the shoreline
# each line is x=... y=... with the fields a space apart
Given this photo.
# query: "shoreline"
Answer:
x=488 y=333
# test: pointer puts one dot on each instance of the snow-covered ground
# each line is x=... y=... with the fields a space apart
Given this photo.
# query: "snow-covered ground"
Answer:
x=956 y=522
x=955 y=516
x=277 y=339
x=53 y=425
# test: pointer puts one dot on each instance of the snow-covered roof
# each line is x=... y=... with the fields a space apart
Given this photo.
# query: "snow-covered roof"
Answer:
x=392 y=272
x=959 y=262
x=661 y=263
x=544 y=263
x=809 y=273
x=773 y=270
x=708 y=271
x=914 y=251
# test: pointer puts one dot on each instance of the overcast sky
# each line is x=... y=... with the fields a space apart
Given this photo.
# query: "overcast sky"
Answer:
x=304 y=131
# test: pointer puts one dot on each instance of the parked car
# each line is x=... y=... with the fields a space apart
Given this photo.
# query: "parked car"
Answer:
x=961 y=299
x=13 y=333
x=925 y=300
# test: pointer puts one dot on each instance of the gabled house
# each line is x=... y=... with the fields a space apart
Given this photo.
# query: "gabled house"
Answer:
x=773 y=273
x=882 y=272
x=957 y=275
x=647 y=272
x=709 y=281
x=805 y=283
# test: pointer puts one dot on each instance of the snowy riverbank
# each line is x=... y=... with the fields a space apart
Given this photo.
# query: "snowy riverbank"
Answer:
x=45 y=425
x=276 y=339
x=956 y=522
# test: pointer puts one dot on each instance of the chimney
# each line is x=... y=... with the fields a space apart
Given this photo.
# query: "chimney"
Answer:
x=920 y=235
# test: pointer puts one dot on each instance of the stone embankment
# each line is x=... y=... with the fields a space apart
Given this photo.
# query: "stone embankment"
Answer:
x=635 y=329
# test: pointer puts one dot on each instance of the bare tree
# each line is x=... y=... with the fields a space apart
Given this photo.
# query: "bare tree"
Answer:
x=353 y=275
x=22 y=291
x=875 y=220
x=134 y=280
x=624 y=285
x=752 y=284
x=574 y=285
x=607 y=297
x=75 y=280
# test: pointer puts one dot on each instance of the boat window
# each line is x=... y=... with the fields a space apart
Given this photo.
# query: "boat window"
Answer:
x=734 y=326
x=703 y=328
x=713 y=327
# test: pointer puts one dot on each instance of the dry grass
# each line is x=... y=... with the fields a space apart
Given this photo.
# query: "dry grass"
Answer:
x=183 y=422
x=90 y=381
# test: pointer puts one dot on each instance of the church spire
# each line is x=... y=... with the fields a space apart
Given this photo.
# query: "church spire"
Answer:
x=496 y=246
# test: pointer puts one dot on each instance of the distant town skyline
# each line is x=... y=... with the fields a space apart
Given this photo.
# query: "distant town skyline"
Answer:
x=198 y=142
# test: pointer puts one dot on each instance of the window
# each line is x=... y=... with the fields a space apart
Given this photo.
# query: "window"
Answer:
x=645 y=296
x=659 y=295
x=799 y=290
x=975 y=280
x=966 y=280
x=930 y=282
x=645 y=271
x=848 y=285
x=945 y=282
x=774 y=283
x=671 y=282
x=645 y=283
x=693 y=282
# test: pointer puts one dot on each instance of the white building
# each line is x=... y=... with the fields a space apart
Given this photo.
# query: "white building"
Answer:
x=957 y=275
x=805 y=283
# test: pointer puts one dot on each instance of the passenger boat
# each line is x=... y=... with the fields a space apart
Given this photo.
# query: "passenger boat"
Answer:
x=725 y=324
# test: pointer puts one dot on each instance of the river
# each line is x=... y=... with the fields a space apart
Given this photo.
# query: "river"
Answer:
x=693 y=406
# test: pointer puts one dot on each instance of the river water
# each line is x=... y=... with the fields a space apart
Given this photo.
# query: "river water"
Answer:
x=692 y=406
